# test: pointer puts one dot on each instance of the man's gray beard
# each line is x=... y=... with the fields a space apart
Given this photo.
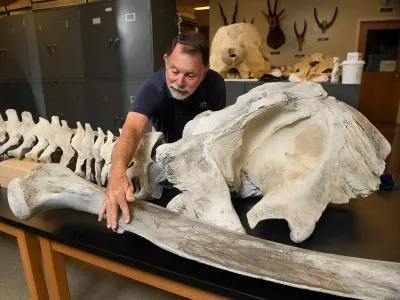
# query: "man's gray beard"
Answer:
x=178 y=96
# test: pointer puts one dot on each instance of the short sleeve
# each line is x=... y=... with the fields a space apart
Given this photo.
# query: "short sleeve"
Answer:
x=147 y=101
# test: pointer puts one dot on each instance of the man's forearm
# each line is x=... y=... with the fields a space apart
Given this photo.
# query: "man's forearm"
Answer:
x=124 y=151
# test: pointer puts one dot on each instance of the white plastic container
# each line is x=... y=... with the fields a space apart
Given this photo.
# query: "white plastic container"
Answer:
x=352 y=71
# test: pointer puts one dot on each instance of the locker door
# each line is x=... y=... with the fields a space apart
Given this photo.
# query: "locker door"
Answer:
x=127 y=94
x=134 y=55
x=99 y=31
x=14 y=52
x=66 y=100
x=103 y=106
x=45 y=43
x=2 y=46
x=74 y=103
x=19 y=96
x=68 y=58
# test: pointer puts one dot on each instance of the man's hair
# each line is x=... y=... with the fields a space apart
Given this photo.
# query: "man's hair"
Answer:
x=193 y=43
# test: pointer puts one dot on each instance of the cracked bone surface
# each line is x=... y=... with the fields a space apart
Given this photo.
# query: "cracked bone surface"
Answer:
x=26 y=131
x=299 y=147
x=51 y=186
x=12 y=128
x=41 y=132
x=237 y=52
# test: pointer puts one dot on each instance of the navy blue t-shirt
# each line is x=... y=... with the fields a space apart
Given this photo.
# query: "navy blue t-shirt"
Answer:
x=168 y=115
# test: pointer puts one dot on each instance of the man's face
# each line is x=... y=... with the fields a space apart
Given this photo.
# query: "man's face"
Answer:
x=184 y=73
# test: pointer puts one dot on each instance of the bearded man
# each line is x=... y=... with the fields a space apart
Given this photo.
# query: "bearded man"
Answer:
x=168 y=99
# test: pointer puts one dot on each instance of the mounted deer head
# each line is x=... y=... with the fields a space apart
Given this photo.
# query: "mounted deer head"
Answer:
x=275 y=37
x=234 y=15
x=325 y=24
x=300 y=37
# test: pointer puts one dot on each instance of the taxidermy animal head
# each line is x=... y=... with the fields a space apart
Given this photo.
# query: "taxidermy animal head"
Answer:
x=275 y=37
x=300 y=37
x=237 y=52
x=233 y=17
x=324 y=25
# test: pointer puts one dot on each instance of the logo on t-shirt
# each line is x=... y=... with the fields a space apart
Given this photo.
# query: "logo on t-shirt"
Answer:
x=202 y=105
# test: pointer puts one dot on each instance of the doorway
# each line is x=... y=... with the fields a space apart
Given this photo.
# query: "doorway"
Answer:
x=379 y=41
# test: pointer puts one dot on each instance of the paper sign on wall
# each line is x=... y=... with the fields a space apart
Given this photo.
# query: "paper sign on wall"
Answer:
x=387 y=66
x=130 y=17
x=96 y=21
x=108 y=9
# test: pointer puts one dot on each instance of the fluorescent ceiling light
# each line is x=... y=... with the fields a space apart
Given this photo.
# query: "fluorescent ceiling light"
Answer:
x=202 y=8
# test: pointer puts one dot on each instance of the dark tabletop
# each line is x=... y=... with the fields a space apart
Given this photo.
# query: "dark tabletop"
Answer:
x=365 y=228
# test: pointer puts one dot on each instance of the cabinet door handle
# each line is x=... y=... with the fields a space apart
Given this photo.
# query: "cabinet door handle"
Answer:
x=115 y=121
x=110 y=42
x=117 y=42
x=54 y=48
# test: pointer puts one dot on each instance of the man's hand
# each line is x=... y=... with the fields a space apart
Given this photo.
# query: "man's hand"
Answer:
x=119 y=191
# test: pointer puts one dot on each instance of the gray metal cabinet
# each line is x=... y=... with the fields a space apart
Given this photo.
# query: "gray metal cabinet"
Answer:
x=134 y=55
x=19 y=96
x=99 y=31
x=66 y=100
x=127 y=96
x=59 y=43
x=251 y=85
x=13 y=49
x=120 y=40
x=347 y=93
x=233 y=90
x=103 y=106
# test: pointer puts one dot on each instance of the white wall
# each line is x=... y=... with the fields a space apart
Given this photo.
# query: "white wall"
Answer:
x=342 y=35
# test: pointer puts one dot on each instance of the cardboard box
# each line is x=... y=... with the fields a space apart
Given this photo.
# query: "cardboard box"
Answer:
x=14 y=168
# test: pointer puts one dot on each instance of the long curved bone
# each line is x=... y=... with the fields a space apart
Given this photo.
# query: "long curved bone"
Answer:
x=204 y=243
x=41 y=132
x=26 y=131
x=12 y=128
x=54 y=130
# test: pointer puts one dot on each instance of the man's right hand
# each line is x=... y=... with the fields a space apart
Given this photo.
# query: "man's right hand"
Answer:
x=119 y=190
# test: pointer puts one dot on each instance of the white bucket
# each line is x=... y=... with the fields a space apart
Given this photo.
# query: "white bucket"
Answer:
x=352 y=71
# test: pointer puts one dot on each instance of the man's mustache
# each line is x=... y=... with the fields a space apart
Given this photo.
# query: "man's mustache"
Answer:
x=186 y=89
